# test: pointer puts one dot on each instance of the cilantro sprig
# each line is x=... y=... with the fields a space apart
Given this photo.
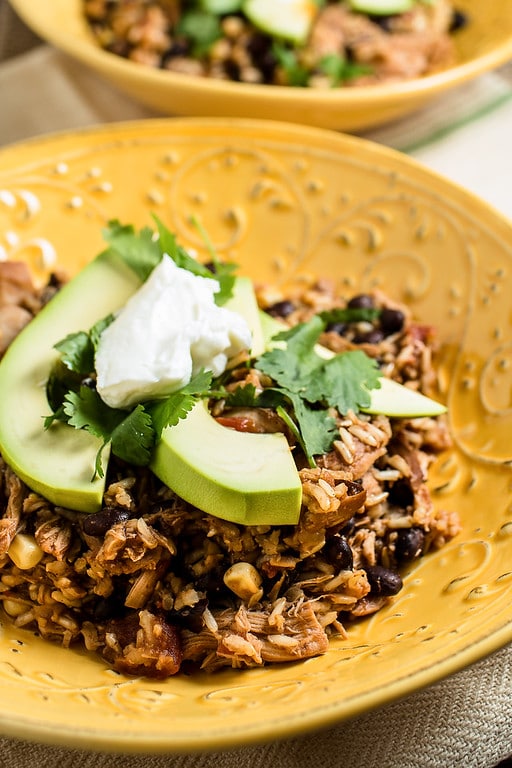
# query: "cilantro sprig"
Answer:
x=71 y=386
x=307 y=386
x=307 y=389
x=142 y=251
x=132 y=434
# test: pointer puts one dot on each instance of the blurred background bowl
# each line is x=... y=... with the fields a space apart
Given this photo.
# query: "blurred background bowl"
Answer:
x=484 y=44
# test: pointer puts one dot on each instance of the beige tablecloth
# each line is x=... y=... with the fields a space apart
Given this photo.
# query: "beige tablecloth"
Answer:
x=465 y=720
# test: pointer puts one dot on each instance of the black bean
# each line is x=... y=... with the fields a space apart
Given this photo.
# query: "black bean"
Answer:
x=338 y=552
x=348 y=527
x=459 y=21
x=391 y=320
x=409 y=544
x=232 y=69
x=98 y=523
x=369 y=337
x=190 y=617
x=119 y=48
x=178 y=48
x=258 y=46
x=383 y=581
x=361 y=301
x=281 y=309
x=107 y=607
x=211 y=582
x=339 y=328
x=401 y=494
x=384 y=22
x=267 y=66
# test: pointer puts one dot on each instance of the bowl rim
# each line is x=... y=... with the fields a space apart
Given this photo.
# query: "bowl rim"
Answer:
x=90 y=53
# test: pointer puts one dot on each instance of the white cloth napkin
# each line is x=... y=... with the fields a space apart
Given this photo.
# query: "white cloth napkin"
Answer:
x=465 y=720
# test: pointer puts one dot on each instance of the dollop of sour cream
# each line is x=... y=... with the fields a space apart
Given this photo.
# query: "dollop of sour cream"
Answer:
x=167 y=331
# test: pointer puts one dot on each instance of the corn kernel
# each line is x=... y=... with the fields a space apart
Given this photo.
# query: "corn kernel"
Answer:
x=24 y=551
x=13 y=608
x=244 y=580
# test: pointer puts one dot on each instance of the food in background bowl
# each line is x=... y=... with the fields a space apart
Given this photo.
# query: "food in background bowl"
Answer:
x=252 y=508
x=288 y=42
x=482 y=45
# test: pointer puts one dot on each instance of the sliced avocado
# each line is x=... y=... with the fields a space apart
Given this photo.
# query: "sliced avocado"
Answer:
x=287 y=19
x=395 y=400
x=382 y=7
x=58 y=462
x=257 y=480
x=246 y=478
x=390 y=399
x=243 y=301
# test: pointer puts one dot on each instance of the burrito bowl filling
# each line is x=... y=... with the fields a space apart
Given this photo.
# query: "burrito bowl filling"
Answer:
x=156 y=585
x=300 y=43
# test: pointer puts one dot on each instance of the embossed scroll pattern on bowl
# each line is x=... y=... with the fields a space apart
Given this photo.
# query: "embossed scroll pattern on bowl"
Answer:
x=287 y=204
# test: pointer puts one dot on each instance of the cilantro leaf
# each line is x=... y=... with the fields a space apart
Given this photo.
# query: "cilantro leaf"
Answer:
x=133 y=439
x=198 y=384
x=201 y=28
x=131 y=435
x=167 y=412
x=60 y=381
x=168 y=244
x=98 y=328
x=76 y=363
x=312 y=385
x=57 y=415
x=139 y=251
x=221 y=7
x=242 y=397
x=339 y=69
x=77 y=352
x=86 y=410
x=293 y=366
x=349 y=315
x=296 y=73
x=345 y=381
x=142 y=251
x=317 y=427
x=223 y=272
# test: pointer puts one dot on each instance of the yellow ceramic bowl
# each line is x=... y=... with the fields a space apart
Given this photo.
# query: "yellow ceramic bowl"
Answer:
x=287 y=202
x=484 y=44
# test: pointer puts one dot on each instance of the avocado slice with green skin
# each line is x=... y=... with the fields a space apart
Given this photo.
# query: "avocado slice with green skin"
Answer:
x=243 y=301
x=58 y=462
x=390 y=399
x=238 y=476
x=382 y=7
x=286 y=19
